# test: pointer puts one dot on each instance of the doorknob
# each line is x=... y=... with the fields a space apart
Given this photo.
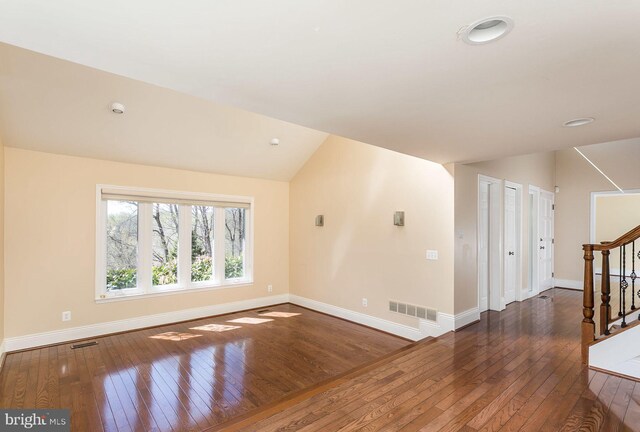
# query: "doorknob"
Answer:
x=511 y=253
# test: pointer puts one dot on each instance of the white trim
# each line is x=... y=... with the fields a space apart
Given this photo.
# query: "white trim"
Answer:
x=2 y=350
x=533 y=278
x=467 y=317
x=444 y=323
x=175 y=289
x=567 y=283
x=94 y=330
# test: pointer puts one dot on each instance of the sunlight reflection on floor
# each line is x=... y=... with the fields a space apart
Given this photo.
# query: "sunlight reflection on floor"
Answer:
x=280 y=314
x=174 y=336
x=249 y=320
x=215 y=327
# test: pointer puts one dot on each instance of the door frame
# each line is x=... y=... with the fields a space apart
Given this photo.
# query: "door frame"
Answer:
x=553 y=235
x=533 y=282
x=519 y=295
x=495 y=271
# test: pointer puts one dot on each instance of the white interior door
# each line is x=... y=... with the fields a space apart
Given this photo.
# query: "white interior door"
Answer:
x=545 y=246
x=510 y=245
x=534 y=248
x=483 y=247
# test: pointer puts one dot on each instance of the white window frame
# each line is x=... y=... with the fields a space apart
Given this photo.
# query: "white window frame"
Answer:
x=145 y=230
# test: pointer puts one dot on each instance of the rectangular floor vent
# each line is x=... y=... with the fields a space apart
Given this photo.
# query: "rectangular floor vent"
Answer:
x=84 y=345
x=413 y=310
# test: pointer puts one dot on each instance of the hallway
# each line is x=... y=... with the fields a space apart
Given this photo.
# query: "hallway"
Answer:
x=515 y=370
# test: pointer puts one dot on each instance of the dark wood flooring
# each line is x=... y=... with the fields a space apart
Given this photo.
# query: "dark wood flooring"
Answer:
x=518 y=370
x=190 y=376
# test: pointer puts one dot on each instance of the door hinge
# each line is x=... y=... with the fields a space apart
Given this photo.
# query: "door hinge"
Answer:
x=553 y=274
x=553 y=241
x=553 y=206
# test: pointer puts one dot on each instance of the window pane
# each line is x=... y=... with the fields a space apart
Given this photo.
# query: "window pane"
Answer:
x=165 y=244
x=122 y=244
x=234 y=221
x=201 y=243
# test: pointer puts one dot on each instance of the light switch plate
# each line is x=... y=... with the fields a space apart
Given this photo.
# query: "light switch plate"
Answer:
x=432 y=254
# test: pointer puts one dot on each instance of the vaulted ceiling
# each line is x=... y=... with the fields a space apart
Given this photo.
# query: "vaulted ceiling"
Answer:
x=389 y=73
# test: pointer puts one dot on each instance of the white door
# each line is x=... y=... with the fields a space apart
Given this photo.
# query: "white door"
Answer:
x=483 y=247
x=545 y=244
x=510 y=245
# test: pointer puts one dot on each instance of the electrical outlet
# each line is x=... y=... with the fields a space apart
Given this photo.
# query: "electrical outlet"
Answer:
x=432 y=254
x=269 y=288
x=66 y=316
x=365 y=303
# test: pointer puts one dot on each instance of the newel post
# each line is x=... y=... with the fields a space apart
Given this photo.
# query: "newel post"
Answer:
x=588 y=326
x=605 y=307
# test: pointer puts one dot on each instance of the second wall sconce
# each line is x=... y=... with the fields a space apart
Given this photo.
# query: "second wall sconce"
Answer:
x=398 y=218
x=320 y=220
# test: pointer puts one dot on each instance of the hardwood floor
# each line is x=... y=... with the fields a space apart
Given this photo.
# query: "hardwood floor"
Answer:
x=190 y=376
x=518 y=370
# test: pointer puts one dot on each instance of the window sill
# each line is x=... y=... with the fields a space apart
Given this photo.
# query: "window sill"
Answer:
x=160 y=292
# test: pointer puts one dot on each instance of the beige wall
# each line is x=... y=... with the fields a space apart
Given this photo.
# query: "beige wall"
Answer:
x=577 y=179
x=616 y=215
x=50 y=243
x=359 y=252
x=536 y=169
x=2 y=314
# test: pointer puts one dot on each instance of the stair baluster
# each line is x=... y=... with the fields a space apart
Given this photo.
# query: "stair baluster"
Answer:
x=620 y=283
x=633 y=276
x=624 y=285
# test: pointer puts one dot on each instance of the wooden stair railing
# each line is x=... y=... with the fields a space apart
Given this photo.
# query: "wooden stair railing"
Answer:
x=605 y=317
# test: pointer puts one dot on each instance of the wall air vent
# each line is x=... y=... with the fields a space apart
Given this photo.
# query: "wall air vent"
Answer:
x=413 y=310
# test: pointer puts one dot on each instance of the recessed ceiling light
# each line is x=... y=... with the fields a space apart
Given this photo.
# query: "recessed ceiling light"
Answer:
x=274 y=141
x=117 y=108
x=578 y=122
x=486 y=30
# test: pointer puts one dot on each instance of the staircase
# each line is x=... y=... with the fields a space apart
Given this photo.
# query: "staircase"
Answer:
x=611 y=333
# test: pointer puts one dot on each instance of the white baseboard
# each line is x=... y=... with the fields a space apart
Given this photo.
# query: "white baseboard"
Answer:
x=444 y=323
x=567 y=283
x=93 y=330
x=465 y=318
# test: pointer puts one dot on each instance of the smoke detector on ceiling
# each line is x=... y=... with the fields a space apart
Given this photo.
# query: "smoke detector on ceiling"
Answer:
x=117 y=108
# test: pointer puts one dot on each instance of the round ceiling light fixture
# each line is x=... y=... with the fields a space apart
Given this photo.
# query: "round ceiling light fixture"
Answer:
x=486 y=30
x=117 y=108
x=274 y=141
x=579 y=122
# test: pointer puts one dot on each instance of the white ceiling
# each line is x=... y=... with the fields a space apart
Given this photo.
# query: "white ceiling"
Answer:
x=52 y=105
x=385 y=72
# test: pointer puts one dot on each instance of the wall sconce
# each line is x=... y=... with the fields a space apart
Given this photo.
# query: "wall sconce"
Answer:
x=398 y=218
x=320 y=220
